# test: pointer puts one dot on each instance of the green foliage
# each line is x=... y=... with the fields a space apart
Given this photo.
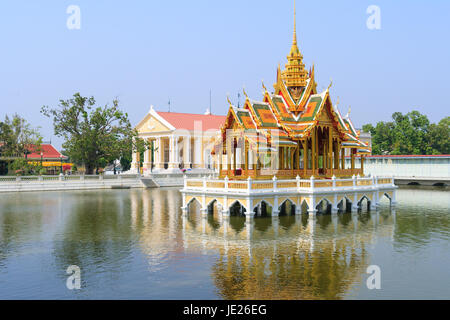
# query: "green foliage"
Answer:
x=410 y=134
x=18 y=138
x=140 y=146
x=440 y=136
x=20 y=166
x=94 y=136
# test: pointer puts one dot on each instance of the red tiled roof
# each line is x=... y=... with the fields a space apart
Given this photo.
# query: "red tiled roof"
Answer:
x=48 y=152
x=186 y=120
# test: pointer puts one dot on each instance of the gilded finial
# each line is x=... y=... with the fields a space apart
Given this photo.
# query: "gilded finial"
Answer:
x=245 y=93
x=348 y=113
x=264 y=87
x=228 y=99
x=295 y=25
x=331 y=84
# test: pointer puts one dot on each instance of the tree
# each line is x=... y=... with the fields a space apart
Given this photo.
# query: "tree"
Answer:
x=93 y=136
x=439 y=137
x=411 y=133
x=18 y=138
x=139 y=146
x=382 y=137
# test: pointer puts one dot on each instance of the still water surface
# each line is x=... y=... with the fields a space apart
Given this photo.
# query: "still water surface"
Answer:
x=135 y=244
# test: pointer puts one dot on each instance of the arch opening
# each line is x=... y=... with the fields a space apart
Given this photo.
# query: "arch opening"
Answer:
x=324 y=207
x=237 y=209
x=194 y=205
x=214 y=207
x=304 y=207
x=364 y=200
x=262 y=209
x=439 y=184
x=287 y=208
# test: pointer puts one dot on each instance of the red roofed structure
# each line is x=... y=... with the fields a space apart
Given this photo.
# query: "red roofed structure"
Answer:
x=48 y=151
x=187 y=121
x=181 y=141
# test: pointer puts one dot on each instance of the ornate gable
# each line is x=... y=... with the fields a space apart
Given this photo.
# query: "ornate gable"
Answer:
x=151 y=124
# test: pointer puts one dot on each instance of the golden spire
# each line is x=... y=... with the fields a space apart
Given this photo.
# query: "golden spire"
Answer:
x=295 y=27
x=295 y=74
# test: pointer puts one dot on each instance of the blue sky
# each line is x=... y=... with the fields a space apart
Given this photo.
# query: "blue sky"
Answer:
x=145 y=52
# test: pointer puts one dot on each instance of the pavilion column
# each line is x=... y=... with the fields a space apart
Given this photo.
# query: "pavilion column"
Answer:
x=342 y=158
x=280 y=158
x=290 y=157
x=305 y=156
x=293 y=159
x=330 y=150
x=297 y=157
x=336 y=155
x=254 y=163
x=362 y=165
x=258 y=163
x=246 y=157
x=234 y=148
x=228 y=153
x=317 y=150
x=313 y=151
x=353 y=158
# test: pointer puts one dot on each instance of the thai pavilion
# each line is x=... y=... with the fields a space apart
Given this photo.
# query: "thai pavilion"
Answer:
x=293 y=131
x=288 y=148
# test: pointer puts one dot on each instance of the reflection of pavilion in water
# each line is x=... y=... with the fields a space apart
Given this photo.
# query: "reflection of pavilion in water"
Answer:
x=155 y=217
x=290 y=257
x=287 y=257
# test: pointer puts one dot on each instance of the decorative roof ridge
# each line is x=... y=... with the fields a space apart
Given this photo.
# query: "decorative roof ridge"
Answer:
x=352 y=127
x=257 y=102
x=240 y=109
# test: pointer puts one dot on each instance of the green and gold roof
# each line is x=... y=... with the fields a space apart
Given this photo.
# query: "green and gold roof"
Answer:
x=292 y=111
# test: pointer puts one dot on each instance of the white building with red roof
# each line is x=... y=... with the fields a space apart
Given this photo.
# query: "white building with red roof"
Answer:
x=180 y=140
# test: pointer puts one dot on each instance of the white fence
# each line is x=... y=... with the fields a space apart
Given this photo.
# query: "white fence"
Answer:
x=69 y=182
x=270 y=186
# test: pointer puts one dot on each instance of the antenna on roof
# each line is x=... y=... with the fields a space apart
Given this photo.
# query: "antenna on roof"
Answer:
x=169 y=104
x=239 y=99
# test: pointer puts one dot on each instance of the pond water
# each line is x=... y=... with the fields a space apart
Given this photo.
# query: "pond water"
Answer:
x=135 y=244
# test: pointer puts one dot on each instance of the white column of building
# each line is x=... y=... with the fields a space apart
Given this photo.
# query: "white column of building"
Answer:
x=176 y=152
x=157 y=153
x=187 y=151
x=172 y=152
x=134 y=165
x=197 y=153
x=147 y=159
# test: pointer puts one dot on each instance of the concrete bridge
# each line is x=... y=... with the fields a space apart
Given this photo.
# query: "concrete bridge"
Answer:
x=432 y=170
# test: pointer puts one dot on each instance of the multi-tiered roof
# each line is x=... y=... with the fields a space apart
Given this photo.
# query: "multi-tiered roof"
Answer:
x=292 y=110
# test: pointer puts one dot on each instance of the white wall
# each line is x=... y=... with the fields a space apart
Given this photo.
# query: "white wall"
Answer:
x=406 y=167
